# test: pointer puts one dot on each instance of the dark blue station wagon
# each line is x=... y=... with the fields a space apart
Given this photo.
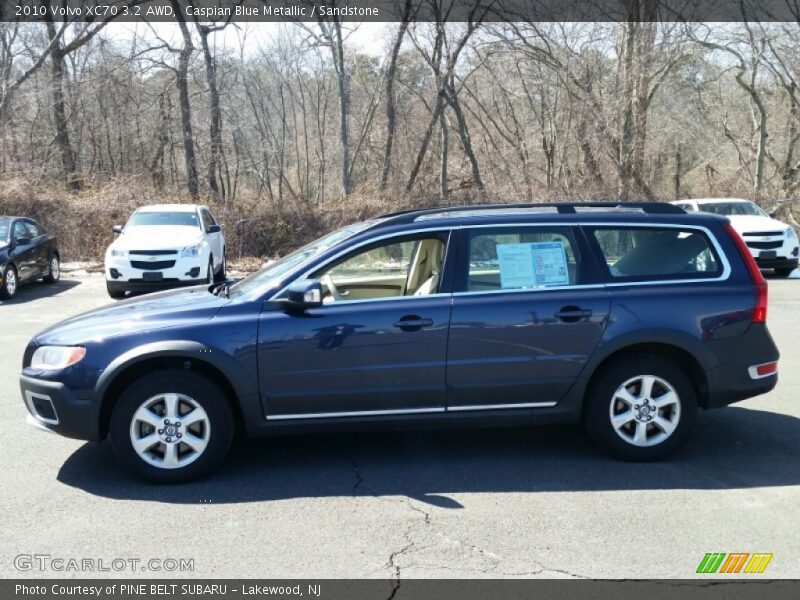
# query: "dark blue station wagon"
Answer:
x=625 y=317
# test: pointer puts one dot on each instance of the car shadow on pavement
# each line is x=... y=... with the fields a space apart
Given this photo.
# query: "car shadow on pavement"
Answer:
x=730 y=449
x=38 y=290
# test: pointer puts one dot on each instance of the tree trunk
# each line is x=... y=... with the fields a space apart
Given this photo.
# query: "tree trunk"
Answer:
x=186 y=111
x=215 y=129
x=62 y=140
x=391 y=100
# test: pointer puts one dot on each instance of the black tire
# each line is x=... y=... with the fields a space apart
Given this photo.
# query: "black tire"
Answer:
x=784 y=273
x=53 y=270
x=114 y=290
x=7 y=289
x=222 y=273
x=200 y=390
x=597 y=417
x=210 y=271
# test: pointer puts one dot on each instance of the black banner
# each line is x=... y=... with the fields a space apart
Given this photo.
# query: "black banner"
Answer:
x=397 y=10
x=415 y=589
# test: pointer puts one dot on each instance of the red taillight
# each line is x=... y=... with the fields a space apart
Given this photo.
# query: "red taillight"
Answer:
x=759 y=283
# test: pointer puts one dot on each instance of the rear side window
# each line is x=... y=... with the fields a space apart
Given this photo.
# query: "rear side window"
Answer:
x=650 y=253
x=522 y=258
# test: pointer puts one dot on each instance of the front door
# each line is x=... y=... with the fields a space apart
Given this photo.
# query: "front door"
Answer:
x=24 y=252
x=377 y=345
x=527 y=314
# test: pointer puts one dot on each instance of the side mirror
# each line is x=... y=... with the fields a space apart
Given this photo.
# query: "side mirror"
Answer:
x=117 y=229
x=23 y=240
x=302 y=295
x=773 y=215
x=213 y=229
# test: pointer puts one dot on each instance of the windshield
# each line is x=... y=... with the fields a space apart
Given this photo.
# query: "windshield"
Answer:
x=733 y=208
x=5 y=227
x=269 y=275
x=164 y=218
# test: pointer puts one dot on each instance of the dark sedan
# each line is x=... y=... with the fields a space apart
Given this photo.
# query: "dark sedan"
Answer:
x=27 y=253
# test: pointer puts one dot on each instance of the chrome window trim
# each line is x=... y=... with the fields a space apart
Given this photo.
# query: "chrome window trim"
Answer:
x=726 y=267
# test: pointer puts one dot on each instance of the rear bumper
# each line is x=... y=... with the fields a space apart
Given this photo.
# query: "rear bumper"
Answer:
x=53 y=406
x=734 y=379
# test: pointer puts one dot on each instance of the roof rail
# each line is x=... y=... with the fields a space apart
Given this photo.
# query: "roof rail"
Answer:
x=407 y=216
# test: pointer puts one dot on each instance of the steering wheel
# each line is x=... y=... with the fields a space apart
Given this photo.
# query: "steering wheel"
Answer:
x=334 y=292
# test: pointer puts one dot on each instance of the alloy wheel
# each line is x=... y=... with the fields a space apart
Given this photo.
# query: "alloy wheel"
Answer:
x=11 y=282
x=170 y=431
x=645 y=410
x=55 y=268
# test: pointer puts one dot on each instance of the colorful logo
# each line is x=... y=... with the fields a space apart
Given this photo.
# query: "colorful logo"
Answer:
x=735 y=562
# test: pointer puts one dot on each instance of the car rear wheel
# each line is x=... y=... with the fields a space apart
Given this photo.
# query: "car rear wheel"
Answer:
x=8 y=289
x=172 y=427
x=784 y=272
x=54 y=270
x=641 y=408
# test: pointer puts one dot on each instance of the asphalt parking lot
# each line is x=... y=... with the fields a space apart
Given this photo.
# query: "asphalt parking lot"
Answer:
x=493 y=503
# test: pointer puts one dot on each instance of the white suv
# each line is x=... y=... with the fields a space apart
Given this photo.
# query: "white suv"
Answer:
x=772 y=243
x=163 y=246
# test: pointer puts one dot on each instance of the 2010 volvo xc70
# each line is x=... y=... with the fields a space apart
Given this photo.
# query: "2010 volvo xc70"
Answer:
x=627 y=318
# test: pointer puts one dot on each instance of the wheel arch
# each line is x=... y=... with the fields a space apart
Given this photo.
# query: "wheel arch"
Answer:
x=687 y=361
x=189 y=356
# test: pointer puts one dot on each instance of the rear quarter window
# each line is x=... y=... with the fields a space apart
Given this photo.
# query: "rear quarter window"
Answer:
x=656 y=253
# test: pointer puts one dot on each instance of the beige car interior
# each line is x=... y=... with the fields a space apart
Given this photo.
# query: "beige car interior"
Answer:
x=417 y=276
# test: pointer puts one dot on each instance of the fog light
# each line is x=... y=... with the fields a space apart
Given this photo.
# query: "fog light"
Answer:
x=114 y=273
x=796 y=251
x=193 y=273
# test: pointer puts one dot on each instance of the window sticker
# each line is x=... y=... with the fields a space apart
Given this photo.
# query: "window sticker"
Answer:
x=540 y=264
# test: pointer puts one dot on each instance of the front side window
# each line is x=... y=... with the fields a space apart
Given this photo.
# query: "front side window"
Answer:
x=649 y=253
x=409 y=267
x=20 y=231
x=522 y=258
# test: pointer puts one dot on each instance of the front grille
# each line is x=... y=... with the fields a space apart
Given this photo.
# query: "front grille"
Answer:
x=154 y=252
x=762 y=233
x=764 y=245
x=152 y=266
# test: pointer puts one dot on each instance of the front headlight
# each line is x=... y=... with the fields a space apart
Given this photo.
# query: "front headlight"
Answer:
x=119 y=253
x=789 y=233
x=190 y=251
x=56 y=357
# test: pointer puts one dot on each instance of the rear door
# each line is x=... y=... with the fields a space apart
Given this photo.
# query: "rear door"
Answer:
x=528 y=311
x=41 y=247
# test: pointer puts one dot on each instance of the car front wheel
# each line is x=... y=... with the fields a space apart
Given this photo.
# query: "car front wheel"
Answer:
x=171 y=427
x=641 y=408
x=8 y=288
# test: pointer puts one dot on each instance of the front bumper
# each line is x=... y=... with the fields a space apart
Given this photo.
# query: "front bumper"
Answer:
x=172 y=269
x=140 y=285
x=773 y=250
x=776 y=263
x=54 y=407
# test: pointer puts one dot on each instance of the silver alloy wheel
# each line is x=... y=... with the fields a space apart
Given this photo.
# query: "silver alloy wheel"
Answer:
x=55 y=268
x=11 y=281
x=645 y=410
x=170 y=431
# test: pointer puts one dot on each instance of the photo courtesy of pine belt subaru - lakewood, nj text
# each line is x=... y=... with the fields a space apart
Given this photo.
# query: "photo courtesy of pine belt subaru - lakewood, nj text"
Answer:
x=165 y=246
x=624 y=317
